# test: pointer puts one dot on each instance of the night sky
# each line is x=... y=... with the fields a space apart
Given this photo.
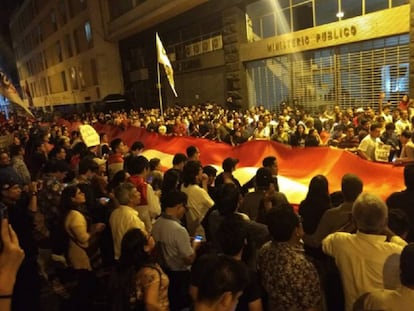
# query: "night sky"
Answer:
x=7 y=61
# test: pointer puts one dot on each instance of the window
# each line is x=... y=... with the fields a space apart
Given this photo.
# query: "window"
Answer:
x=94 y=72
x=76 y=40
x=283 y=22
x=62 y=12
x=351 y=8
x=88 y=32
x=268 y=24
x=64 y=84
x=399 y=2
x=57 y=83
x=68 y=46
x=58 y=50
x=375 y=5
x=39 y=33
x=44 y=57
x=53 y=20
x=74 y=78
x=325 y=12
x=76 y=6
x=284 y=4
x=302 y=16
x=43 y=87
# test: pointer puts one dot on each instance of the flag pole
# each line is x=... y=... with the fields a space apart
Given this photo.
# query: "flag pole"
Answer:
x=159 y=87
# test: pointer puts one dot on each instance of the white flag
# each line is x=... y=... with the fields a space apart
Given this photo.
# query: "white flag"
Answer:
x=8 y=90
x=163 y=59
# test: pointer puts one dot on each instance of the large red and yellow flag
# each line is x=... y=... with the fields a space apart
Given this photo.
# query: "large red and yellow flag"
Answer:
x=163 y=59
x=297 y=166
x=8 y=90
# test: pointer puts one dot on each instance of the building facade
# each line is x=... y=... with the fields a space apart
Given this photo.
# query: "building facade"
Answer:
x=62 y=54
x=307 y=52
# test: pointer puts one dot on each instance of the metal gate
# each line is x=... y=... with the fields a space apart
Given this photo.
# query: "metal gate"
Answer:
x=351 y=75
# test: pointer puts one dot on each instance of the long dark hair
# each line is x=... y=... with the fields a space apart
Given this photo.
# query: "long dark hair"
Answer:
x=317 y=201
x=133 y=258
x=190 y=171
x=66 y=203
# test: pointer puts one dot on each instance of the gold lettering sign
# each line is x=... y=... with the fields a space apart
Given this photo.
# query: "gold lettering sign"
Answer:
x=336 y=33
x=383 y=23
x=319 y=37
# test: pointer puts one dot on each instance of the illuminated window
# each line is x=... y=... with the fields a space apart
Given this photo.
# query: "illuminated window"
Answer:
x=88 y=31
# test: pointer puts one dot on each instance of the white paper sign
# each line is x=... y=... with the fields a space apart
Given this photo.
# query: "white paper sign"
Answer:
x=89 y=135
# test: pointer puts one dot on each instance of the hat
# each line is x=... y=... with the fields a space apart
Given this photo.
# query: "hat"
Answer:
x=99 y=161
x=359 y=110
x=7 y=181
x=229 y=164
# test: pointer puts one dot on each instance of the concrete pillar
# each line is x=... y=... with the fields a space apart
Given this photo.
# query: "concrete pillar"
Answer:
x=411 y=47
x=234 y=33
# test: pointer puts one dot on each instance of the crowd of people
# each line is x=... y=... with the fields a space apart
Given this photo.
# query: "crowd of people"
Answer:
x=390 y=125
x=102 y=227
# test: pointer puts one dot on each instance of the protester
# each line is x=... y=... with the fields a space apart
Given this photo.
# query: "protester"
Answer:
x=138 y=282
x=221 y=284
x=290 y=280
x=11 y=257
x=125 y=216
x=400 y=299
x=176 y=251
x=82 y=235
x=368 y=259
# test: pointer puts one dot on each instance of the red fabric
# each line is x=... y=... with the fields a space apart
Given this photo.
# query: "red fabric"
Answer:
x=403 y=105
x=141 y=186
x=115 y=158
x=74 y=161
x=299 y=165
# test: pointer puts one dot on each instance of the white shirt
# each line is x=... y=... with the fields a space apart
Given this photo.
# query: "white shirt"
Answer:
x=121 y=220
x=368 y=145
x=366 y=262
x=387 y=118
x=401 y=299
x=402 y=125
x=407 y=151
x=198 y=203
x=150 y=211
